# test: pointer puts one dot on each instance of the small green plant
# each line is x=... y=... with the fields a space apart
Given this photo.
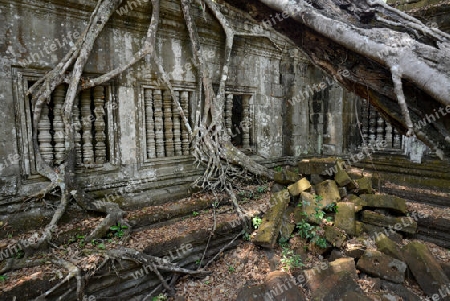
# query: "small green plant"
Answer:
x=289 y=259
x=246 y=236
x=207 y=282
x=313 y=233
x=331 y=208
x=195 y=213
x=278 y=169
x=101 y=246
x=261 y=189
x=321 y=242
x=198 y=261
x=3 y=278
x=160 y=297
x=283 y=241
x=256 y=222
x=231 y=269
x=118 y=230
x=305 y=229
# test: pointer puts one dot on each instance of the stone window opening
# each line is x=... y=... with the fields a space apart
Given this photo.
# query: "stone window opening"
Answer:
x=89 y=124
x=375 y=130
x=92 y=116
x=166 y=134
x=238 y=121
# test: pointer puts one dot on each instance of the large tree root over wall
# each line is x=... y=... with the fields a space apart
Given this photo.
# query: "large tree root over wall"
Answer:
x=392 y=59
x=211 y=144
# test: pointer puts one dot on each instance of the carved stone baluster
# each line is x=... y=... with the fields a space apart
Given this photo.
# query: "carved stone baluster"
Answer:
x=397 y=140
x=177 y=126
x=77 y=128
x=99 y=125
x=44 y=137
x=228 y=113
x=168 y=124
x=149 y=124
x=58 y=124
x=372 y=125
x=86 y=125
x=184 y=101
x=388 y=135
x=380 y=129
x=365 y=122
x=246 y=121
x=159 y=132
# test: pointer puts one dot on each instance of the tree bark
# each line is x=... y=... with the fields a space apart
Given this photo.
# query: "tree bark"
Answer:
x=370 y=39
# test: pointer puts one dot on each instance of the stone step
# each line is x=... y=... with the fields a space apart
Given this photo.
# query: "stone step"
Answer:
x=403 y=224
x=435 y=230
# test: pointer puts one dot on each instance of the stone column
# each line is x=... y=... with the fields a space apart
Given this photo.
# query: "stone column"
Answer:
x=176 y=125
x=397 y=140
x=228 y=113
x=365 y=121
x=86 y=124
x=149 y=124
x=99 y=125
x=77 y=130
x=184 y=101
x=246 y=121
x=58 y=124
x=388 y=134
x=380 y=129
x=168 y=124
x=44 y=137
x=159 y=133
x=372 y=125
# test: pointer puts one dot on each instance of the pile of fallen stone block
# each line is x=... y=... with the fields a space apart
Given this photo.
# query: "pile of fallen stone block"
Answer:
x=364 y=238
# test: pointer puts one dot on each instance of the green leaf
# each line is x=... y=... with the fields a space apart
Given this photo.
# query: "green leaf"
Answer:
x=101 y=246
x=114 y=228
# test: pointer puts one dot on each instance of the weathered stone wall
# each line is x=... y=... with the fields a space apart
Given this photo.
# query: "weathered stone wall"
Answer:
x=39 y=34
x=296 y=110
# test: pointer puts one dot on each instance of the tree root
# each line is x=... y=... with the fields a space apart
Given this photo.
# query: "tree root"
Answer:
x=398 y=87
x=223 y=249
x=12 y=264
x=74 y=271
x=114 y=216
x=155 y=264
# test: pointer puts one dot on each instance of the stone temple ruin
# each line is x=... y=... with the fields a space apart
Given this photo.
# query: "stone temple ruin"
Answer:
x=133 y=149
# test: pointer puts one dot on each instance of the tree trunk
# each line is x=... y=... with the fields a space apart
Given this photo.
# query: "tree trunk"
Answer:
x=392 y=59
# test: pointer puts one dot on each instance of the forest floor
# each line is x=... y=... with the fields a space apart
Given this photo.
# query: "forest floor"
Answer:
x=245 y=264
